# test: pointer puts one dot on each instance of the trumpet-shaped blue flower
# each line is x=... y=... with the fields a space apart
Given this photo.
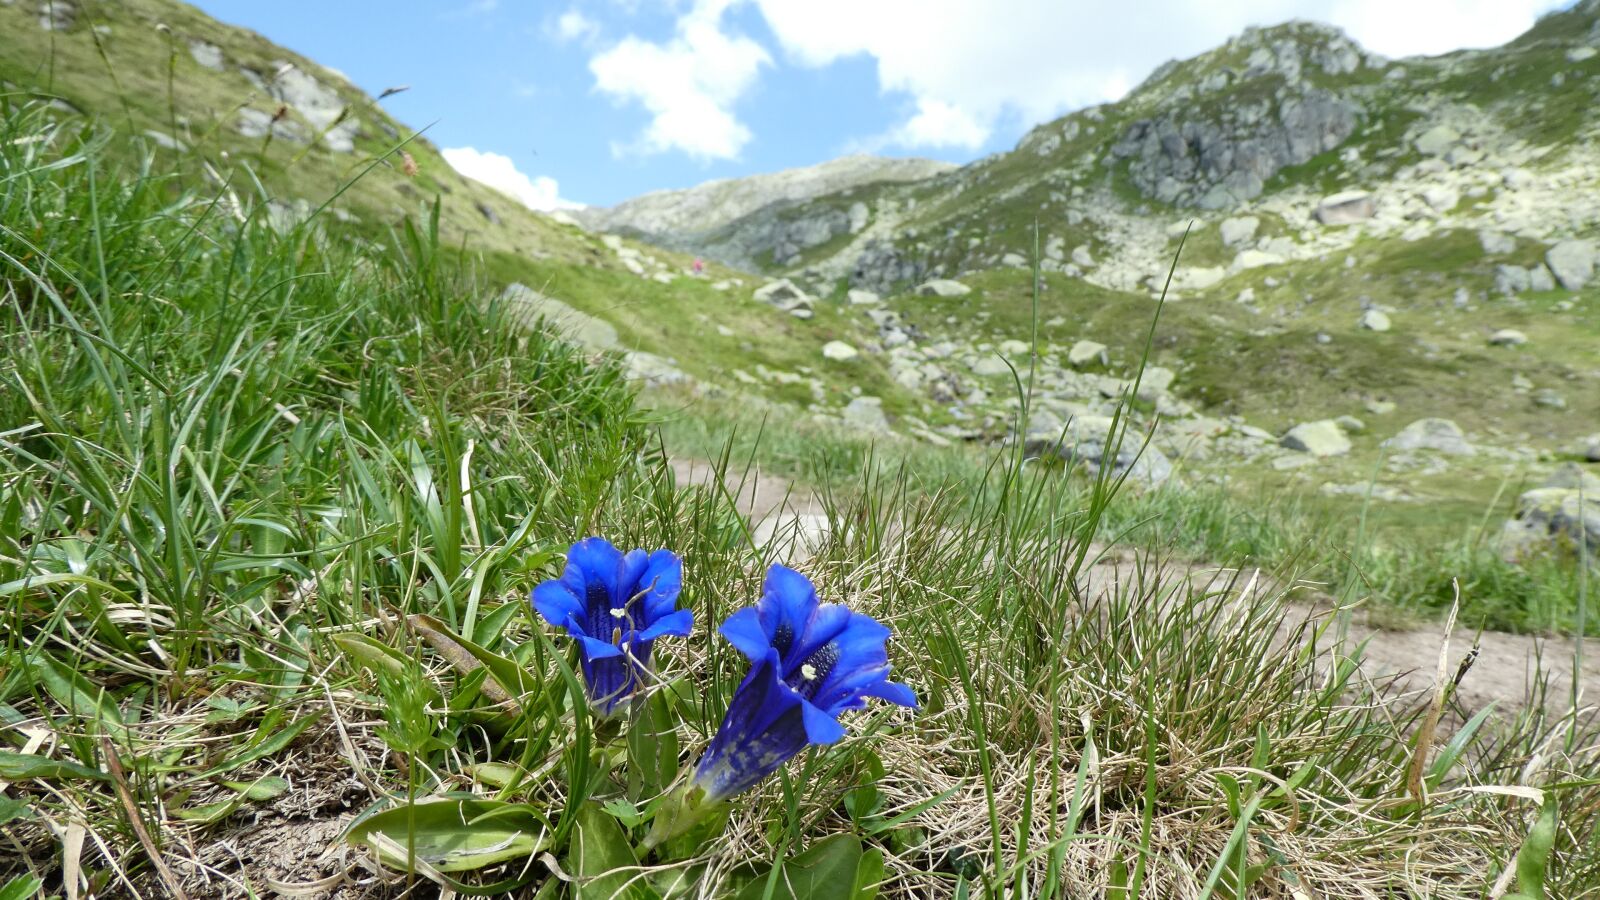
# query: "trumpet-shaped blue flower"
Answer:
x=615 y=605
x=811 y=661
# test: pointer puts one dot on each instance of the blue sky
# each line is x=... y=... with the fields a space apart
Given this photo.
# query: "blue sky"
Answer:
x=595 y=101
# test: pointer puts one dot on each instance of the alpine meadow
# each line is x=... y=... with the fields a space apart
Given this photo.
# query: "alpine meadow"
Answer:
x=1199 y=500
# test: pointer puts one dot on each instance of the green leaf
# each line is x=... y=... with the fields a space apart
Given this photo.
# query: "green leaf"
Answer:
x=603 y=860
x=21 y=888
x=77 y=694
x=1534 y=857
x=12 y=809
x=508 y=682
x=266 y=787
x=451 y=834
x=16 y=766
x=652 y=748
x=834 y=868
x=373 y=655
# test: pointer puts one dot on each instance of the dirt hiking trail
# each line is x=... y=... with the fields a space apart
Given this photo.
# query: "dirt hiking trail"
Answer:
x=1503 y=672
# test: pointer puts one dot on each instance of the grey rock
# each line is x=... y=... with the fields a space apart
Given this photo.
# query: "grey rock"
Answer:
x=858 y=297
x=1572 y=263
x=1552 y=520
x=986 y=366
x=1375 y=320
x=1496 y=243
x=320 y=105
x=652 y=369
x=943 y=287
x=1085 y=443
x=866 y=413
x=1085 y=351
x=1509 y=279
x=1588 y=448
x=859 y=215
x=166 y=141
x=1507 y=337
x=528 y=306
x=1239 y=230
x=1573 y=477
x=1346 y=208
x=1438 y=140
x=1438 y=435
x=254 y=123
x=1217 y=158
x=784 y=294
x=1351 y=425
x=839 y=351
x=57 y=15
x=1321 y=438
x=207 y=54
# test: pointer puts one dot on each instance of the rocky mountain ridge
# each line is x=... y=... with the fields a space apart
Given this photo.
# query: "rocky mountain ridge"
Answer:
x=706 y=208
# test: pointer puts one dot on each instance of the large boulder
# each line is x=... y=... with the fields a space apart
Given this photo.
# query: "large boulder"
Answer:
x=1085 y=441
x=529 y=306
x=1553 y=519
x=1507 y=337
x=1438 y=435
x=1573 y=263
x=1321 y=438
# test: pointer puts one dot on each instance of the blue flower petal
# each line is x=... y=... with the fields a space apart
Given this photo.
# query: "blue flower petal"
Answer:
x=826 y=623
x=594 y=649
x=661 y=583
x=629 y=585
x=892 y=691
x=788 y=602
x=744 y=631
x=678 y=624
x=821 y=728
x=557 y=603
x=599 y=561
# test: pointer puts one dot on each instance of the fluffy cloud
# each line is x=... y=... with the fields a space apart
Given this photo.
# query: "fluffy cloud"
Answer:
x=969 y=64
x=688 y=84
x=573 y=25
x=500 y=173
x=1434 y=26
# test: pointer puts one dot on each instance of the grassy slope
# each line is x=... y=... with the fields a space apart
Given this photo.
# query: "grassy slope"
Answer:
x=139 y=78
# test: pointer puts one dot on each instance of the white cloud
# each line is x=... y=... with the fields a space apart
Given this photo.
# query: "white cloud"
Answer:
x=940 y=124
x=969 y=64
x=573 y=25
x=689 y=84
x=499 y=172
x=1435 y=26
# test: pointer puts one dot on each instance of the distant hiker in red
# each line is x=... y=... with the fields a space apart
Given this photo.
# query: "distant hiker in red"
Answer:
x=699 y=266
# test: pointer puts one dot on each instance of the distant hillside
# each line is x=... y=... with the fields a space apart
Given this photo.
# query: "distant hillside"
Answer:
x=711 y=205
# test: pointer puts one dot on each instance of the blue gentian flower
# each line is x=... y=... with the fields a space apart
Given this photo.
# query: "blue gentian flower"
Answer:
x=811 y=661
x=615 y=605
